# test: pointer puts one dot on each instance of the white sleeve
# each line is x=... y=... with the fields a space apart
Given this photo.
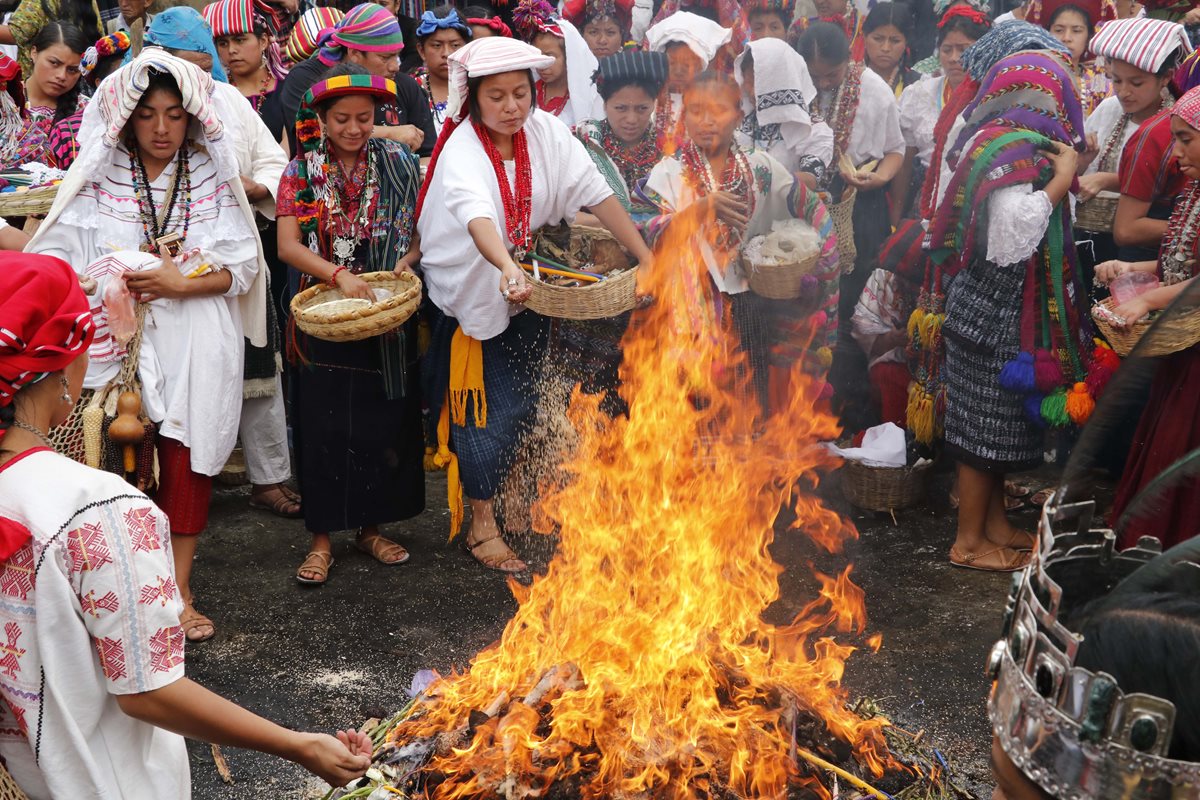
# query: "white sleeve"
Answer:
x=910 y=114
x=890 y=133
x=268 y=159
x=1017 y=221
x=466 y=179
x=71 y=243
x=818 y=143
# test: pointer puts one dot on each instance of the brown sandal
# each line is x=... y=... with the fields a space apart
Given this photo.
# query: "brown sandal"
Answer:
x=495 y=562
x=286 y=503
x=190 y=620
x=1017 y=541
x=382 y=550
x=319 y=564
x=1016 y=561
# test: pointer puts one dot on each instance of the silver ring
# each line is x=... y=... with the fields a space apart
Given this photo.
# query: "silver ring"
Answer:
x=513 y=281
x=504 y=292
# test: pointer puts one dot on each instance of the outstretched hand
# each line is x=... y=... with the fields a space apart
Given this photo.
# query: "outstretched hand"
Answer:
x=337 y=760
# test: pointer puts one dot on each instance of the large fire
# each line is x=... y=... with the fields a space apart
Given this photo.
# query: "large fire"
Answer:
x=639 y=665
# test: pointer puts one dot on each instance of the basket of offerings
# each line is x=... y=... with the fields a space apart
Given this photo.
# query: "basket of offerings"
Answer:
x=1096 y=215
x=325 y=313
x=776 y=263
x=28 y=202
x=1180 y=332
x=580 y=272
x=877 y=488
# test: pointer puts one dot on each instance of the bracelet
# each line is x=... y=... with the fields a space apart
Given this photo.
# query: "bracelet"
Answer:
x=333 y=278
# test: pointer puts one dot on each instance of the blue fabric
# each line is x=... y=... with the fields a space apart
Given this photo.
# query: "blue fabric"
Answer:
x=1003 y=40
x=182 y=28
x=431 y=23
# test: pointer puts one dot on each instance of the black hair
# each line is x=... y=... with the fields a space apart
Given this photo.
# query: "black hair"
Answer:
x=80 y=13
x=337 y=71
x=824 y=41
x=1058 y=12
x=964 y=25
x=1145 y=644
x=708 y=12
x=896 y=14
x=8 y=413
x=441 y=12
x=473 y=85
x=65 y=33
x=784 y=17
x=711 y=79
x=477 y=12
x=610 y=86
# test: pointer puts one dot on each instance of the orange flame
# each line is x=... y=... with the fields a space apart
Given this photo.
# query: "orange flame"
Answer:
x=645 y=637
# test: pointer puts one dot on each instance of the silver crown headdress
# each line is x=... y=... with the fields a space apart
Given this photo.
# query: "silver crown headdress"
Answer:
x=1071 y=731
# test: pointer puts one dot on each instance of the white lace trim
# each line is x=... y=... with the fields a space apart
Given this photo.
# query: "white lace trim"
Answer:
x=1017 y=220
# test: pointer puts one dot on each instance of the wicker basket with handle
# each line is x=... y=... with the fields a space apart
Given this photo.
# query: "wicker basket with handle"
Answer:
x=1178 y=333
x=354 y=321
x=843 y=226
x=779 y=281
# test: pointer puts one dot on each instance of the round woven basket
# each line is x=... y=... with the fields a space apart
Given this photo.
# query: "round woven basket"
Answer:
x=362 y=322
x=8 y=786
x=884 y=488
x=607 y=298
x=779 y=281
x=29 y=203
x=843 y=226
x=1178 y=333
x=1097 y=214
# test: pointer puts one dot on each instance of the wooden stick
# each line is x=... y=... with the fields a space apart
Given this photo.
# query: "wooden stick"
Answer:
x=854 y=780
x=222 y=765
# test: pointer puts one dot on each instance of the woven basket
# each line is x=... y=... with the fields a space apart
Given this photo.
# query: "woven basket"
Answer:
x=29 y=203
x=884 y=488
x=843 y=226
x=1097 y=214
x=779 y=281
x=359 y=323
x=1179 y=333
x=591 y=249
x=8 y=786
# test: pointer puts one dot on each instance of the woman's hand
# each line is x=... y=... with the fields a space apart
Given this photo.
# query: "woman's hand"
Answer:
x=866 y=181
x=1109 y=271
x=1064 y=159
x=337 y=761
x=726 y=207
x=407 y=263
x=1131 y=311
x=164 y=280
x=1093 y=184
x=514 y=286
x=353 y=286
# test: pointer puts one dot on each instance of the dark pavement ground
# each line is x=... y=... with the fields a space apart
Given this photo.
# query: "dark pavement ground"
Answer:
x=334 y=656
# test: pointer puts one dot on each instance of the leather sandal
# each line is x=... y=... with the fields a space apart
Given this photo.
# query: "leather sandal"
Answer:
x=1008 y=563
x=190 y=620
x=495 y=562
x=383 y=550
x=318 y=563
x=286 y=503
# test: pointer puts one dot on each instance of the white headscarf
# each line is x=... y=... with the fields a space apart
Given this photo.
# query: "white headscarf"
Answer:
x=703 y=36
x=490 y=55
x=783 y=88
x=584 y=101
x=100 y=130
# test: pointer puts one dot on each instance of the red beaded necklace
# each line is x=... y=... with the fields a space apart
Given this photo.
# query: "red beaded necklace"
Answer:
x=518 y=206
x=736 y=179
x=551 y=105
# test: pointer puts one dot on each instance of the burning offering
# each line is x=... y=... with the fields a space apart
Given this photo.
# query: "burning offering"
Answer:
x=639 y=665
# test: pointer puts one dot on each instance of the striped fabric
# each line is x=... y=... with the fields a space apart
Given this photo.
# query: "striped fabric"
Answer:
x=383 y=88
x=234 y=17
x=302 y=42
x=367 y=27
x=1143 y=42
x=490 y=55
x=1188 y=108
x=119 y=94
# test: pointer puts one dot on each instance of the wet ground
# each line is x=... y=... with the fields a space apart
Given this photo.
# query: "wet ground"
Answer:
x=334 y=656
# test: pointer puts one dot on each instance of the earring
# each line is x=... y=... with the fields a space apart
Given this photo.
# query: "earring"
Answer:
x=66 y=395
x=264 y=59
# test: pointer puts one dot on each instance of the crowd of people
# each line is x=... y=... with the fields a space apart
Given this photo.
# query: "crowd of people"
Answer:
x=219 y=161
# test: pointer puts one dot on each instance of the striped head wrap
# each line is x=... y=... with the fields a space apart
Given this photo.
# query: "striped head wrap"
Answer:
x=367 y=28
x=45 y=320
x=302 y=41
x=495 y=24
x=119 y=93
x=534 y=17
x=633 y=66
x=1187 y=74
x=236 y=17
x=1004 y=39
x=1188 y=108
x=940 y=7
x=965 y=11
x=1143 y=42
x=182 y=28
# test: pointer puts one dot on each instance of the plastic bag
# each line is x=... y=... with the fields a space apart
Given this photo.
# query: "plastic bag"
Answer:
x=118 y=307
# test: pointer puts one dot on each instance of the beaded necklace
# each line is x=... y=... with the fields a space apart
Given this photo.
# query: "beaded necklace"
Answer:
x=1177 y=259
x=156 y=223
x=635 y=161
x=667 y=129
x=260 y=98
x=437 y=109
x=518 y=205
x=554 y=105
x=345 y=241
x=736 y=179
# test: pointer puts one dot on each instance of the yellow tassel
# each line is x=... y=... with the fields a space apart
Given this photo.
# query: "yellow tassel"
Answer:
x=920 y=414
x=931 y=326
x=914 y=323
x=445 y=459
x=466 y=379
x=824 y=357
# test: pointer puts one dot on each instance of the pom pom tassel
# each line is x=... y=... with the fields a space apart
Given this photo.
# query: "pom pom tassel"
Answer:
x=1104 y=365
x=1080 y=404
x=914 y=323
x=931 y=328
x=1018 y=374
x=1054 y=408
x=1047 y=370
x=1033 y=409
x=920 y=414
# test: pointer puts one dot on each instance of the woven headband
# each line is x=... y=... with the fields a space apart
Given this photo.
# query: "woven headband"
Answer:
x=342 y=85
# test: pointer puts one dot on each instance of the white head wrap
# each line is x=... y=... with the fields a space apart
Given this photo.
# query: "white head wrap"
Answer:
x=490 y=55
x=783 y=88
x=581 y=63
x=1144 y=42
x=703 y=36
